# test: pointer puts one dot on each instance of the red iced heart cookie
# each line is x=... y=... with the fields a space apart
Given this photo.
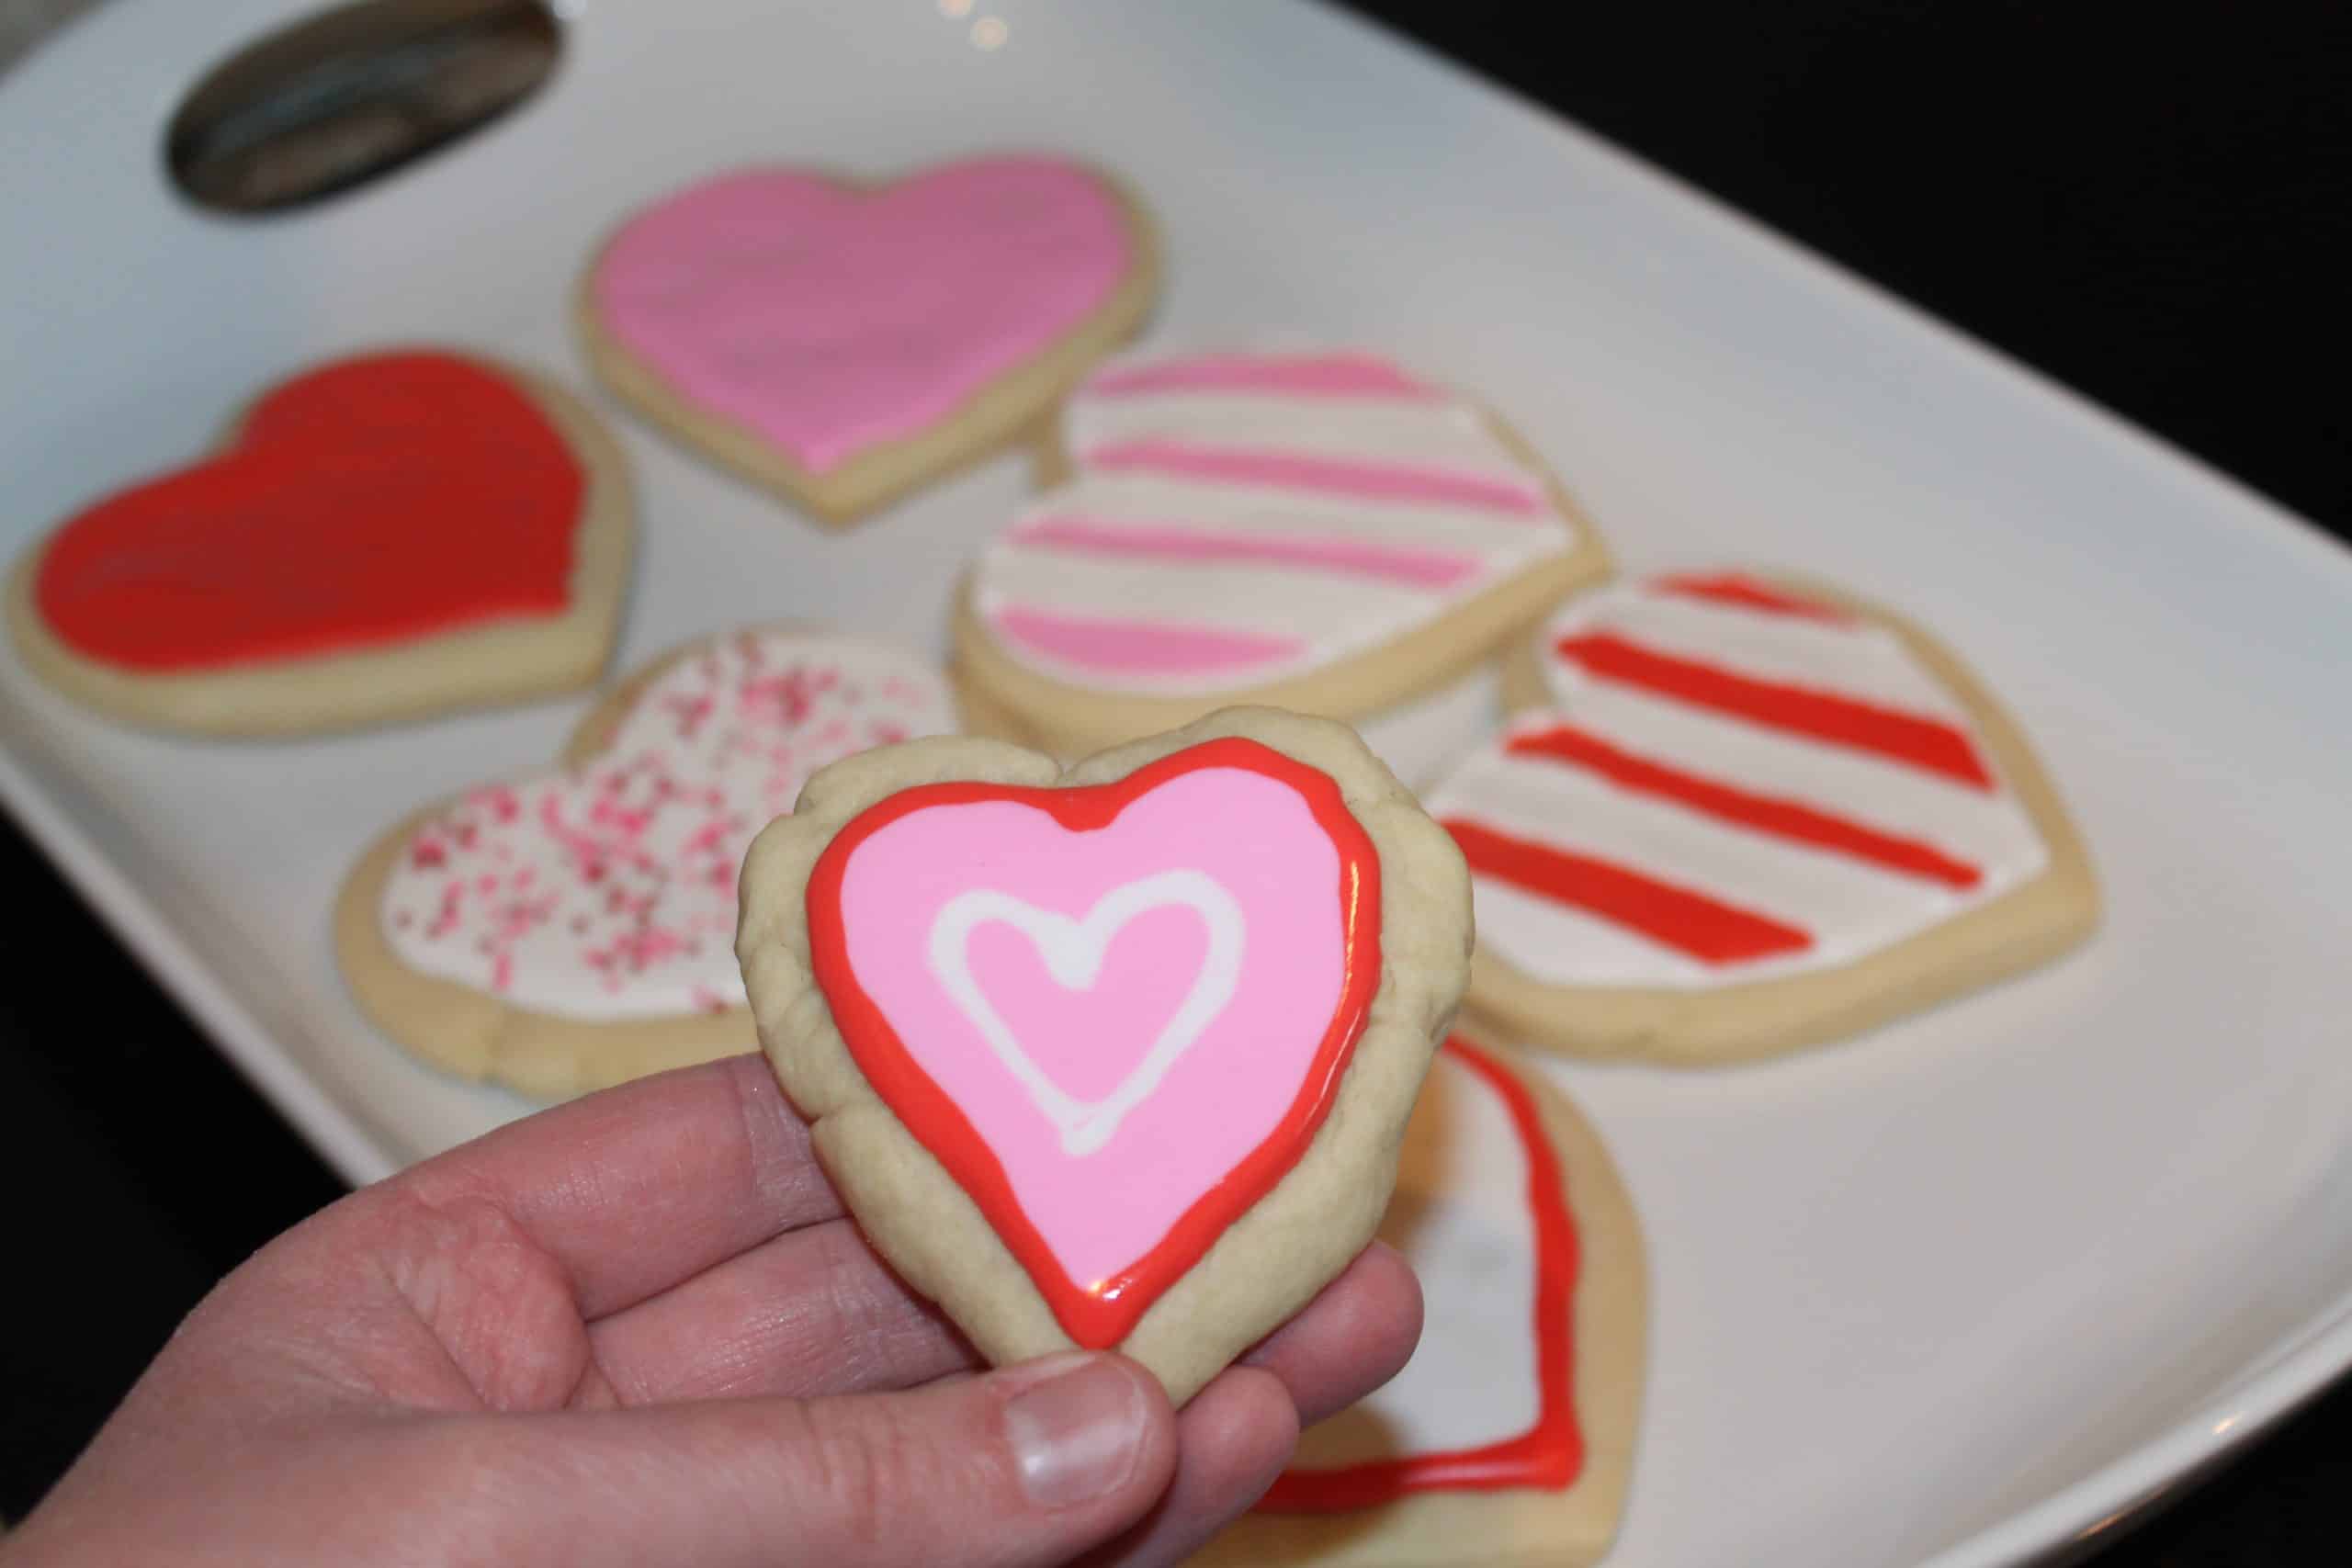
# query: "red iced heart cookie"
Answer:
x=1116 y=1056
x=1108 y=1191
x=372 y=509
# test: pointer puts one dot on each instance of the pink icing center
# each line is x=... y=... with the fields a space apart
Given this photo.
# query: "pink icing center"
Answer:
x=1098 y=1210
x=828 y=318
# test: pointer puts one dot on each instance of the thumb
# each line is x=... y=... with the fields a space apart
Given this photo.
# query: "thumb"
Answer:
x=1032 y=1464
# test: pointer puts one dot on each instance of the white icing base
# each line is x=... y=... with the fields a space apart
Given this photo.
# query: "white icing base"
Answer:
x=1461 y=1218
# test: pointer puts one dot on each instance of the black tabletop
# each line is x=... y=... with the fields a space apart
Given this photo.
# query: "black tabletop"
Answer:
x=2155 y=208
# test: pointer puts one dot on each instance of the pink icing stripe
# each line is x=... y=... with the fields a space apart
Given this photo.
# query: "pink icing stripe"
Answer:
x=1188 y=542
x=1304 y=375
x=1333 y=476
x=1140 y=647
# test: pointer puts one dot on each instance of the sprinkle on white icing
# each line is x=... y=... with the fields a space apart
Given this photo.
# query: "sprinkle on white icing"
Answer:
x=607 y=892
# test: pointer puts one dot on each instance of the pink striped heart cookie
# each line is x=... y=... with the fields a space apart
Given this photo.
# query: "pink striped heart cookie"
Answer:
x=843 y=343
x=573 y=928
x=1736 y=816
x=1118 y=1055
x=1509 y=1439
x=1324 y=531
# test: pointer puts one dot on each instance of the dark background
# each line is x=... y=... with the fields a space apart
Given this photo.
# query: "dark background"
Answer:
x=2149 y=208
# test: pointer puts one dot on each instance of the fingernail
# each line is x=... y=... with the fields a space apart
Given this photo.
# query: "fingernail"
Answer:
x=1075 y=1428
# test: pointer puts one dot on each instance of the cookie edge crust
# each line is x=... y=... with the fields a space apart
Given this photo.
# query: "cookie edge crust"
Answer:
x=1003 y=413
x=1280 y=1252
x=1610 y=1325
x=2029 y=925
x=1023 y=704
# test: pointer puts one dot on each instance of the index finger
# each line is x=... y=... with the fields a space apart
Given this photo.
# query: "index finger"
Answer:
x=639 y=1188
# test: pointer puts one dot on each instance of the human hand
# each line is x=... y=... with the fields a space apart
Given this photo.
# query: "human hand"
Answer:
x=638 y=1328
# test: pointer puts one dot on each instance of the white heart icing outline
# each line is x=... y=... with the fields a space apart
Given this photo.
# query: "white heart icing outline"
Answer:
x=1073 y=952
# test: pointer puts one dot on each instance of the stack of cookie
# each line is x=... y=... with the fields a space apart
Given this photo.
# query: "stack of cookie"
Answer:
x=1120 y=1019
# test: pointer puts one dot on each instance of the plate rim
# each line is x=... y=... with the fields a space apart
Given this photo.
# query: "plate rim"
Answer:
x=2122 y=1490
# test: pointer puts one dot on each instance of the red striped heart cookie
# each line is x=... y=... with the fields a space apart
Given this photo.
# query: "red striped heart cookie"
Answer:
x=1324 y=531
x=1737 y=815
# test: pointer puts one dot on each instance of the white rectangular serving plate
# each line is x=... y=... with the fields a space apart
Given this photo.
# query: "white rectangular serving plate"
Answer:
x=1957 y=1292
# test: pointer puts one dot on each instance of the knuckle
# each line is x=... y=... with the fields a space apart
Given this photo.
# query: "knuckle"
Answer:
x=863 y=1467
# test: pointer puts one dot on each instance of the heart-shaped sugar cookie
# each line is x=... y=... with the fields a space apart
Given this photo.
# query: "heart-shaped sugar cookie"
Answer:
x=1321 y=531
x=1736 y=815
x=379 y=537
x=1116 y=1057
x=570 y=929
x=1509 y=1436
x=843 y=343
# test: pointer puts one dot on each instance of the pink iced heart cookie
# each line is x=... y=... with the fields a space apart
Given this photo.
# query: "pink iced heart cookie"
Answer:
x=844 y=343
x=571 y=928
x=1149 y=1023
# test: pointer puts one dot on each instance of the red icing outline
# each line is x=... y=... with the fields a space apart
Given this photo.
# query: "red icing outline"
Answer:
x=1738 y=588
x=1098 y=1314
x=368 y=502
x=1551 y=1452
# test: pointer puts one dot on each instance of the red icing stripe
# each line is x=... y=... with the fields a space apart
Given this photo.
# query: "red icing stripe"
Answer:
x=1551 y=1452
x=1353 y=477
x=1766 y=814
x=1734 y=588
x=1928 y=744
x=1687 y=922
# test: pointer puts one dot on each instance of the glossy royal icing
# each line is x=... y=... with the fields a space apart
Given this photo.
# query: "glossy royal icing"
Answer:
x=607 y=891
x=373 y=500
x=1736 y=784
x=1116 y=1014
x=1239 y=518
x=827 y=318
x=1488 y=1400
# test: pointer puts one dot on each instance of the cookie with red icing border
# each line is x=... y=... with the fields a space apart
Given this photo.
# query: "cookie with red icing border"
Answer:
x=1509 y=1439
x=377 y=538
x=574 y=928
x=1321 y=530
x=1117 y=1056
x=1737 y=814
x=843 y=342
